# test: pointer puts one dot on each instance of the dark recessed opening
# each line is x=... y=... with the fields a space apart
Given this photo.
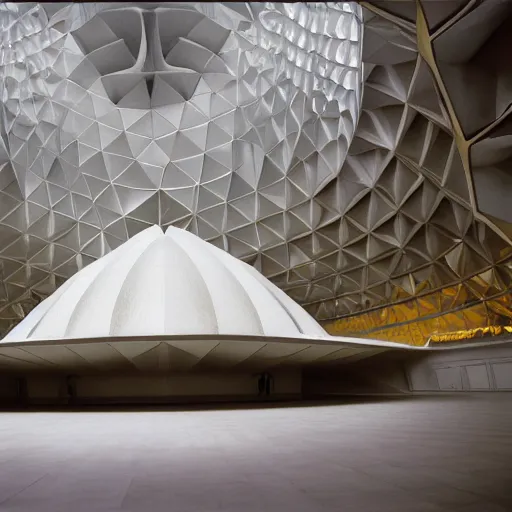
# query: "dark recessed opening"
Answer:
x=149 y=84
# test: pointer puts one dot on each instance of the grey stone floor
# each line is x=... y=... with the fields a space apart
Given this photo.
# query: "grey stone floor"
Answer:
x=415 y=455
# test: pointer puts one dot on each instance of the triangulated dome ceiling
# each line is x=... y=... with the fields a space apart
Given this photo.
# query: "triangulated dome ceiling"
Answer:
x=354 y=154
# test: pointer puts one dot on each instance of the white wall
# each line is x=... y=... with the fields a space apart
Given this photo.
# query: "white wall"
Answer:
x=487 y=368
x=475 y=369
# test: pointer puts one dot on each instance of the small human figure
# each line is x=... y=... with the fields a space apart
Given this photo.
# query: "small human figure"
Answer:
x=265 y=384
x=261 y=384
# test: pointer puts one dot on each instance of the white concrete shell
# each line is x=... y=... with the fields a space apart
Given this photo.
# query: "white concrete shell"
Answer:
x=166 y=285
x=171 y=301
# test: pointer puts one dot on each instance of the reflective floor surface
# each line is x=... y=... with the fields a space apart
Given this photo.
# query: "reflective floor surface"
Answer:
x=447 y=453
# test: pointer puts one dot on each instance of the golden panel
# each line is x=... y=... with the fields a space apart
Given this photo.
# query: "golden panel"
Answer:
x=439 y=316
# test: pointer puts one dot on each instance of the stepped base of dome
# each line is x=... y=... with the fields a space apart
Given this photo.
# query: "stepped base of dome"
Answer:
x=170 y=354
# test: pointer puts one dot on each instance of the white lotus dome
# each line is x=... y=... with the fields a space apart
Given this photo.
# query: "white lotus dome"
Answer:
x=166 y=284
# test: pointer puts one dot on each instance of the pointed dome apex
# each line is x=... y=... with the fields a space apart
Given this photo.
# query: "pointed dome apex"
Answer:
x=166 y=284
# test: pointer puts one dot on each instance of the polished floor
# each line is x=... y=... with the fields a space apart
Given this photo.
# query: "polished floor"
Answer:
x=413 y=455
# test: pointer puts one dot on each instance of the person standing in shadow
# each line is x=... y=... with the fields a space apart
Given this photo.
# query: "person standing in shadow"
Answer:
x=265 y=384
x=269 y=384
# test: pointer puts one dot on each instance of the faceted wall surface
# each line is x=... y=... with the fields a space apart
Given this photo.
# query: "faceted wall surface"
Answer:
x=433 y=134
x=354 y=154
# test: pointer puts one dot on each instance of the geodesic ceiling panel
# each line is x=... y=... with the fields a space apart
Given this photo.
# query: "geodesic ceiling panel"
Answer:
x=453 y=133
x=247 y=125
x=225 y=119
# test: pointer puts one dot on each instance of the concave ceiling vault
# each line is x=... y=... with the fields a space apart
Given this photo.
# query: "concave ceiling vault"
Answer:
x=243 y=123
